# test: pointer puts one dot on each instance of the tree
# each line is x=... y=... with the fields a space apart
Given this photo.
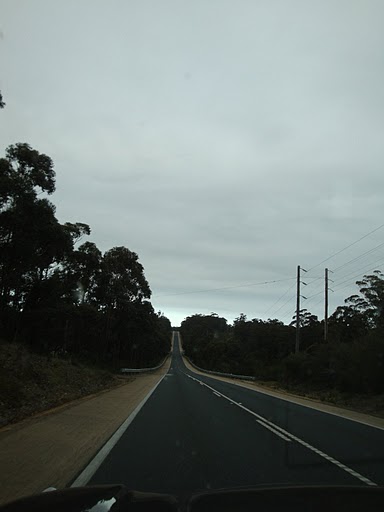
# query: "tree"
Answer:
x=32 y=241
x=121 y=279
x=24 y=171
x=372 y=303
x=2 y=104
x=77 y=230
x=27 y=223
x=58 y=296
x=306 y=319
x=36 y=243
x=81 y=270
x=198 y=331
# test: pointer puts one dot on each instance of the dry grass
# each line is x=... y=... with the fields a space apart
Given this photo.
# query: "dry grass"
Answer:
x=31 y=383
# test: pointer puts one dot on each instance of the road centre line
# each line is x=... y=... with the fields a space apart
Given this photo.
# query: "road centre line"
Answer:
x=327 y=457
x=217 y=394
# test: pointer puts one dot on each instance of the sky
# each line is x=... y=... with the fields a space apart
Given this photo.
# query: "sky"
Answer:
x=225 y=142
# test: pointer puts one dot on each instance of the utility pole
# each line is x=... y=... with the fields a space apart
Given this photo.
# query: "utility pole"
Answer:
x=297 y=345
x=297 y=311
x=326 y=307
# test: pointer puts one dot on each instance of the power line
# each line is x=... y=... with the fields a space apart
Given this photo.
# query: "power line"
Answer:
x=290 y=314
x=279 y=299
x=358 y=257
x=360 y=270
x=287 y=311
x=226 y=287
x=314 y=295
x=347 y=247
x=315 y=279
x=285 y=303
x=316 y=287
x=317 y=302
x=363 y=270
x=284 y=294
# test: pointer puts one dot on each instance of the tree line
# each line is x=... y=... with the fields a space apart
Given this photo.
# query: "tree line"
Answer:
x=60 y=294
x=351 y=360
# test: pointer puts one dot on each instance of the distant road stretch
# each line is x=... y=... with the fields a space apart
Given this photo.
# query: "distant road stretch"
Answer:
x=197 y=433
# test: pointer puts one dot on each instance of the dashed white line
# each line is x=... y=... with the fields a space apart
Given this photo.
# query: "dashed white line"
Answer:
x=217 y=394
x=294 y=438
x=274 y=431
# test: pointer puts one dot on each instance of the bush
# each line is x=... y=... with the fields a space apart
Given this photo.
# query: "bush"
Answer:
x=359 y=366
x=308 y=367
x=267 y=371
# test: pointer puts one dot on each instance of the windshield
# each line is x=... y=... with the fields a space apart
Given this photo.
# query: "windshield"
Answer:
x=191 y=244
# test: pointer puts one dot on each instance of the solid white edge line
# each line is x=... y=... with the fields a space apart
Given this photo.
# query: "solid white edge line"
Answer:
x=99 y=458
x=274 y=431
x=217 y=394
x=298 y=440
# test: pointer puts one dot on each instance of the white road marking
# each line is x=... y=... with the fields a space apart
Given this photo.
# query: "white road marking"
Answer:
x=297 y=439
x=99 y=458
x=292 y=400
x=217 y=394
x=274 y=431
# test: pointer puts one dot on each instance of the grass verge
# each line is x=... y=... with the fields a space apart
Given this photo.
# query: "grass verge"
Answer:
x=32 y=383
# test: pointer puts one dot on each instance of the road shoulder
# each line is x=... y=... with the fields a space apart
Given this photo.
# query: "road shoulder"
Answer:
x=359 y=417
x=50 y=450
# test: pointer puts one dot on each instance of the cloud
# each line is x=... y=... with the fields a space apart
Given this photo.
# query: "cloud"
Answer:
x=225 y=143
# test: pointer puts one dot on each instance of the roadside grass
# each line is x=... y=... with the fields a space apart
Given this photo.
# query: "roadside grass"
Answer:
x=32 y=383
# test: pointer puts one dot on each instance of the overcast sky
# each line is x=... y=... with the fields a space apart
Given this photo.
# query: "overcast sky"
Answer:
x=224 y=141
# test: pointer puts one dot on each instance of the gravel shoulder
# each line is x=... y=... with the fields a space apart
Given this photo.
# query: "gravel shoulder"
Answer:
x=51 y=448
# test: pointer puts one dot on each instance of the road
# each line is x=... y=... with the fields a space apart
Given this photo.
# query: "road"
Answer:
x=197 y=433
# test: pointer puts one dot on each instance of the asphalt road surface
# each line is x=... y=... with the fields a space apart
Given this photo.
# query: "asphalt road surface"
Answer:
x=197 y=433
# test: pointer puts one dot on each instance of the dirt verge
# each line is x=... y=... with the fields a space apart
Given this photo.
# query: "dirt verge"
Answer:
x=52 y=448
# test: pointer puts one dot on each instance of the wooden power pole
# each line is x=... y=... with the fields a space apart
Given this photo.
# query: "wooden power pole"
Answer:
x=297 y=345
x=326 y=306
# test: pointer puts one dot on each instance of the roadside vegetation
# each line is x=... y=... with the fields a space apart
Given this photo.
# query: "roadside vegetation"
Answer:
x=347 y=370
x=31 y=383
x=61 y=297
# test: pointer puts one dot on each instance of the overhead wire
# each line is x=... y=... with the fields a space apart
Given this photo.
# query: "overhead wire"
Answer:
x=370 y=267
x=226 y=287
x=284 y=294
x=284 y=311
x=279 y=299
x=353 y=260
x=286 y=302
x=346 y=247
x=370 y=251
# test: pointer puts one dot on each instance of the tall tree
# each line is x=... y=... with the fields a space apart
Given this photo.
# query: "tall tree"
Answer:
x=32 y=241
x=24 y=171
x=121 y=280
x=361 y=312
x=372 y=303
x=82 y=269
x=37 y=243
